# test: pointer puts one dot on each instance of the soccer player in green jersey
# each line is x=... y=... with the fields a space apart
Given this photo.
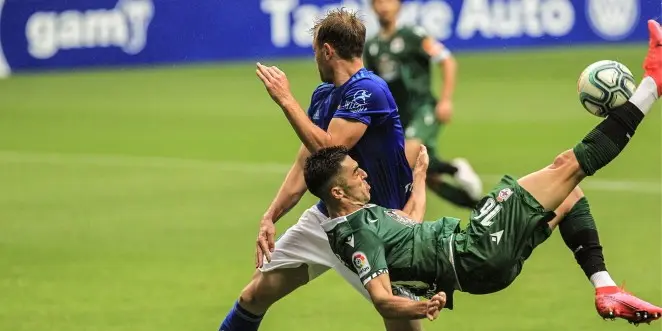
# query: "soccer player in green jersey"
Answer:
x=403 y=57
x=393 y=253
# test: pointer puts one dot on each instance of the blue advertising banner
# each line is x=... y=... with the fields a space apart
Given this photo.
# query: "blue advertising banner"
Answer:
x=61 y=34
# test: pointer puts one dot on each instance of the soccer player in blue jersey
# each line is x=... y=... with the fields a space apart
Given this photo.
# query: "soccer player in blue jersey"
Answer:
x=353 y=108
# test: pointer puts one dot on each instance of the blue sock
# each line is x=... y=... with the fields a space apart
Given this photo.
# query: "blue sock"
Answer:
x=239 y=319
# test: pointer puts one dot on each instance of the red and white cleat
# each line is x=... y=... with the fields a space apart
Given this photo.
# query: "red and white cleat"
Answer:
x=653 y=61
x=613 y=302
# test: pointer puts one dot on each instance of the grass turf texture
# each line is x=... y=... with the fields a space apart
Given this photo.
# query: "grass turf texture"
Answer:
x=130 y=199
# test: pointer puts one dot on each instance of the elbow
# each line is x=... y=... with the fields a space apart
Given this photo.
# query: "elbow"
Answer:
x=417 y=214
x=382 y=309
x=315 y=146
x=418 y=217
x=450 y=64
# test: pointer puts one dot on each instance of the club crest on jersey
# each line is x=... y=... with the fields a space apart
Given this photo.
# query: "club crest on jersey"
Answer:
x=374 y=49
x=397 y=45
x=361 y=263
x=504 y=194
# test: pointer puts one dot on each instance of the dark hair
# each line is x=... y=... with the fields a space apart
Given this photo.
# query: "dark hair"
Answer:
x=344 y=31
x=321 y=169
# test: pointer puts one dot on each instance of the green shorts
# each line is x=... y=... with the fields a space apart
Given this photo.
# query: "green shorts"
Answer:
x=503 y=230
x=423 y=125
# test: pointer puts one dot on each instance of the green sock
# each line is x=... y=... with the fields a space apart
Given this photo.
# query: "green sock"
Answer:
x=608 y=139
x=580 y=234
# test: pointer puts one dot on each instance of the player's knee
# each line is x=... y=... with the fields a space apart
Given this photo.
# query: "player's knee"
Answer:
x=566 y=160
x=402 y=325
x=267 y=288
x=259 y=294
x=570 y=201
x=250 y=298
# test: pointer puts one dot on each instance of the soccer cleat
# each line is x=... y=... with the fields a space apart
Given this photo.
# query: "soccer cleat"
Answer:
x=467 y=178
x=613 y=302
x=653 y=61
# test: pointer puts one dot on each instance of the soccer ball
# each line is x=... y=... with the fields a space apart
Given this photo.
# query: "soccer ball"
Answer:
x=604 y=85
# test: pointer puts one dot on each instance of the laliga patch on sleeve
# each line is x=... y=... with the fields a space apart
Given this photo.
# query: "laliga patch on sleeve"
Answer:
x=361 y=263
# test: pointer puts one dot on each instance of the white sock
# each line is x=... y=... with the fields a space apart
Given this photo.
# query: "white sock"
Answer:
x=645 y=95
x=602 y=279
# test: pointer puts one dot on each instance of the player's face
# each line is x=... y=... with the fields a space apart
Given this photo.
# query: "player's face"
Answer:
x=386 y=10
x=354 y=185
x=322 y=63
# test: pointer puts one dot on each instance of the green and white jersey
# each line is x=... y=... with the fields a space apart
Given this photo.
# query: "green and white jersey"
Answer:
x=403 y=63
x=417 y=256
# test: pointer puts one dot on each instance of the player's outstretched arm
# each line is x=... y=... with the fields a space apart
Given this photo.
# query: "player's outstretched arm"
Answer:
x=415 y=206
x=289 y=194
x=346 y=132
x=394 y=307
x=291 y=190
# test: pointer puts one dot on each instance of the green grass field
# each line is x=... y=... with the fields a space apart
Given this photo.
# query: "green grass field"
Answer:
x=129 y=200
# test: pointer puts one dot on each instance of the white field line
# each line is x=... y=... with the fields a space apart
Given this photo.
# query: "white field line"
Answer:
x=645 y=186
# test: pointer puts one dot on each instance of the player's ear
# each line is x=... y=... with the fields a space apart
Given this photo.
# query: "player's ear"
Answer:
x=337 y=192
x=328 y=51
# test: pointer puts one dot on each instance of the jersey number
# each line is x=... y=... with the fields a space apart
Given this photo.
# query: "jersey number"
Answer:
x=487 y=212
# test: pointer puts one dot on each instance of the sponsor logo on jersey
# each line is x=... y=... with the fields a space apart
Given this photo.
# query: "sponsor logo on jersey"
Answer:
x=316 y=115
x=612 y=19
x=350 y=240
x=361 y=263
x=359 y=101
x=504 y=194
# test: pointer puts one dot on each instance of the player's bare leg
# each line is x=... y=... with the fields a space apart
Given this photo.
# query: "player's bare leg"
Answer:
x=403 y=325
x=261 y=292
x=551 y=185
x=268 y=287
x=566 y=206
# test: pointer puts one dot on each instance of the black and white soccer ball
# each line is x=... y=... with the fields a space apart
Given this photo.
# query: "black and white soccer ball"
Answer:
x=604 y=85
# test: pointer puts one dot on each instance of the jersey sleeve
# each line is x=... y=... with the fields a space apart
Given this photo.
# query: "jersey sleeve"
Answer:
x=314 y=99
x=365 y=101
x=435 y=50
x=364 y=252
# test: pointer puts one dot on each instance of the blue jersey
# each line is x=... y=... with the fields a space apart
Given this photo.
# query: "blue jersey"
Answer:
x=380 y=152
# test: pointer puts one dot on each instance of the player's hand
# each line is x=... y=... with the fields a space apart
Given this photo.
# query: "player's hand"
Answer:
x=275 y=82
x=436 y=304
x=444 y=111
x=423 y=160
x=265 y=243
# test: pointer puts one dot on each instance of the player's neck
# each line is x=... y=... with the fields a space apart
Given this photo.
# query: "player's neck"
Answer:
x=343 y=209
x=387 y=31
x=345 y=69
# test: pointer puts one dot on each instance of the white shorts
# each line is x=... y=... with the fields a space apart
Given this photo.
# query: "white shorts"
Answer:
x=306 y=243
